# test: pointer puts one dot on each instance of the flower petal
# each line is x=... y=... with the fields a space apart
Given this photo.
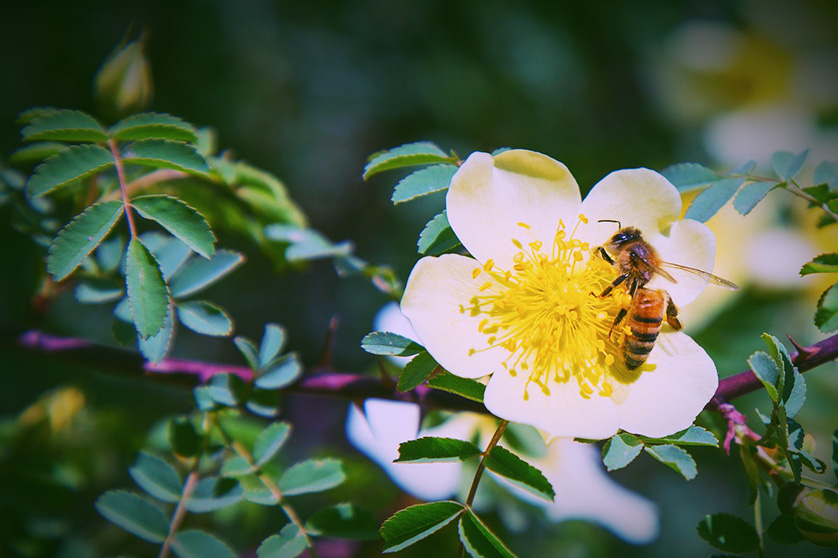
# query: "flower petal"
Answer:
x=640 y=198
x=668 y=399
x=490 y=196
x=562 y=413
x=436 y=292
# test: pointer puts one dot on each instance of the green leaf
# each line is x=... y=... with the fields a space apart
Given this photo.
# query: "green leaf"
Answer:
x=416 y=371
x=99 y=290
x=67 y=166
x=464 y=387
x=198 y=544
x=153 y=125
x=676 y=458
x=156 y=477
x=183 y=438
x=35 y=152
x=134 y=514
x=826 y=173
x=835 y=453
x=417 y=522
x=165 y=154
x=750 y=195
x=306 y=244
x=710 y=200
x=783 y=530
x=343 y=521
x=520 y=473
x=248 y=350
x=205 y=318
x=390 y=344
x=312 y=475
x=692 y=436
x=767 y=372
x=156 y=347
x=269 y=441
x=825 y=263
x=180 y=219
x=437 y=237
x=621 y=450
x=213 y=493
x=689 y=176
x=410 y=154
x=786 y=164
x=263 y=402
x=424 y=182
x=227 y=389
x=273 y=341
x=826 y=316
x=64 y=125
x=170 y=252
x=289 y=543
x=478 y=540
x=199 y=273
x=256 y=492
x=29 y=115
x=81 y=236
x=430 y=448
x=236 y=466
x=281 y=372
x=728 y=533
x=821 y=193
x=146 y=289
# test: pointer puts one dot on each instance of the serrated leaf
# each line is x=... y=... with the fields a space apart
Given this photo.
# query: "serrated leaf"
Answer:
x=156 y=347
x=416 y=371
x=786 y=164
x=99 y=290
x=621 y=450
x=29 y=115
x=289 y=543
x=676 y=458
x=180 y=219
x=281 y=372
x=64 y=125
x=478 y=540
x=236 y=466
x=512 y=468
x=213 y=493
x=825 y=263
x=797 y=396
x=710 y=200
x=147 y=293
x=750 y=195
x=156 y=477
x=35 y=152
x=198 y=544
x=68 y=166
x=464 y=387
x=343 y=521
x=821 y=193
x=389 y=344
x=728 y=533
x=415 y=523
x=199 y=273
x=431 y=448
x=437 y=237
x=423 y=182
x=410 y=154
x=183 y=438
x=273 y=341
x=170 y=252
x=689 y=176
x=165 y=154
x=826 y=316
x=153 y=125
x=786 y=380
x=312 y=475
x=205 y=318
x=81 y=236
x=269 y=441
x=256 y=492
x=767 y=372
x=134 y=514
x=692 y=436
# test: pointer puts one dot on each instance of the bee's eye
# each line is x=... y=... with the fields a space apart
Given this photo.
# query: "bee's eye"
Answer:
x=619 y=238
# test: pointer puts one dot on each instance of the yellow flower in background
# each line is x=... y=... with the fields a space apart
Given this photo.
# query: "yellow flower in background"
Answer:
x=525 y=308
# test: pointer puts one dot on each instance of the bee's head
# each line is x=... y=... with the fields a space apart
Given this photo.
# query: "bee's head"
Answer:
x=624 y=236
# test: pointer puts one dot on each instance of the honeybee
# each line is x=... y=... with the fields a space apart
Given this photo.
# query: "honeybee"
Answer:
x=638 y=262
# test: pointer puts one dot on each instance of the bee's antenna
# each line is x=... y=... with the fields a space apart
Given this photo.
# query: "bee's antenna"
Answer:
x=619 y=225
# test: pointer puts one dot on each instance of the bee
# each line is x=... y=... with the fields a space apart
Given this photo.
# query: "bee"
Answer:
x=638 y=262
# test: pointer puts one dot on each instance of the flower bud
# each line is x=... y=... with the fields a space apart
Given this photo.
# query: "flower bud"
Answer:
x=123 y=84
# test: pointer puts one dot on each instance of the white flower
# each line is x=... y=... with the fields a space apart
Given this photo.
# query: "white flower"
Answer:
x=526 y=308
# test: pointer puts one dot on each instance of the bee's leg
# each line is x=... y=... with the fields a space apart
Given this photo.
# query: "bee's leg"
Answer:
x=616 y=283
x=623 y=311
x=604 y=255
x=672 y=313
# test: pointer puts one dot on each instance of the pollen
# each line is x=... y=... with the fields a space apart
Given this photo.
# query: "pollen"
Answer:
x=546 y=313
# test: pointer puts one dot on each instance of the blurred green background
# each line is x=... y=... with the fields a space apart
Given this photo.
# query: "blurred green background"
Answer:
x=307 y=90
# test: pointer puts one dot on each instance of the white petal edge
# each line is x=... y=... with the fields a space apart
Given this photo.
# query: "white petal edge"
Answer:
x=490 y=196
x=562 y=413
x=436 y=290
x=390 y=318
x=669 y=398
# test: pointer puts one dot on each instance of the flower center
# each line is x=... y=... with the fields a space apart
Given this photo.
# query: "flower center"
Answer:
x=547 y=313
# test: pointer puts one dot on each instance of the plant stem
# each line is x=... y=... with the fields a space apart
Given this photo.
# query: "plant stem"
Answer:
x=478 y=474
x=795 y=189
x=180 y=511
x=120 y=174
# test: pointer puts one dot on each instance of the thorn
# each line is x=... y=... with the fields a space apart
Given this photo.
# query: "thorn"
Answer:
x=803 y=353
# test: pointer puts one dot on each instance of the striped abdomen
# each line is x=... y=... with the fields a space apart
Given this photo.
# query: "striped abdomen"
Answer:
x=645 y=316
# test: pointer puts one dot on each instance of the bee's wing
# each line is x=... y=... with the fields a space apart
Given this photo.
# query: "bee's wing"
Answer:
x=684 y=271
